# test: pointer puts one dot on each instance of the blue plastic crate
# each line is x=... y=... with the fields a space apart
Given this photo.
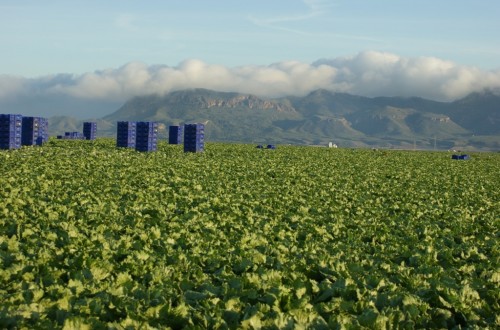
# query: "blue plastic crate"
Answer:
x=188 y=132
x=146 y=133
x=28 y=141
x=10 y=142
x=73 y=136
x=34 y=130
x=7 y=126
x=89 y=130
x=90 y=125
x=10 y=137
x=126 y=124
x=125 y=134
x=193 y=135
x=194 y=127
x=12 y=133
x=126 y=127
x=10 y=120
x=175 y=134
x=194 y=146
x=8 y=146
x=194 y=142
x=10 y=127
x=31 y=121
x=148 y=124
x=460 y=157
x=10 y=116
x=11 y=124
x=194 y=138
x=146 y=138
x=191 y=126
x=126 y=137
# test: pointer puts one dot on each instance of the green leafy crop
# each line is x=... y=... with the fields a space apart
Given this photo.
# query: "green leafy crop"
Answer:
x=98 y=237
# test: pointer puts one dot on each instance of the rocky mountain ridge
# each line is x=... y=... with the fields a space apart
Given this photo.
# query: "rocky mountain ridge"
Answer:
x=323 y=116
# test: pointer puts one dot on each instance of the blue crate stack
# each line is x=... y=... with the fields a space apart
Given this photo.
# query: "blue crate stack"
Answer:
x=43 y=136
x=89 y=130
x=125 y=134
x=10 y=131
x=460 y=157
x=194 y=137
x=34 y=131
x=175 y=134
x=73 y=136
x=146 y=136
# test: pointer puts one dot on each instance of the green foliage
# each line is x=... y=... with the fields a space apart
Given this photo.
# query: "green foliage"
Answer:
x=95 y=237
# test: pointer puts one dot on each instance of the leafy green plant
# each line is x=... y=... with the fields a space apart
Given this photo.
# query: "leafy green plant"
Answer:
x=92 y=236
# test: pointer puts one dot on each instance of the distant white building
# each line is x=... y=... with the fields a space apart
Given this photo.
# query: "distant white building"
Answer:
x=332 y=145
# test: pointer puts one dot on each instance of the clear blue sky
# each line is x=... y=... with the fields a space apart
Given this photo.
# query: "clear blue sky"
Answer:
x=60 y=36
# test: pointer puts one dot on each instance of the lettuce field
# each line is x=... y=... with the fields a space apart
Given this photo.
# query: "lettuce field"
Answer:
x=96 y=237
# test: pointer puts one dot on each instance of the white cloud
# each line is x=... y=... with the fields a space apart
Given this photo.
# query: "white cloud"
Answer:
x=375 y=73
x=368 y=73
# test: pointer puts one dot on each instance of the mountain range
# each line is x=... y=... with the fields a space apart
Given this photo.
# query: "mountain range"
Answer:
x=318 y=118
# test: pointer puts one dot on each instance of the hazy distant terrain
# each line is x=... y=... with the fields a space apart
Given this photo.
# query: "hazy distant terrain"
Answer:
x=317 y=118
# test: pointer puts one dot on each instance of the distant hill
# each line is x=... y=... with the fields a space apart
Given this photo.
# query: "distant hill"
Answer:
x=323 y=116
x=478 y=112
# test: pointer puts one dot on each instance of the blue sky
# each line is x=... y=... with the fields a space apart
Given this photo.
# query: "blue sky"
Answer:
x=47 y=37
x=112 y=50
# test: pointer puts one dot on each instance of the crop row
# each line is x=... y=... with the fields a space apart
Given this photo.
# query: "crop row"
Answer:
x=93 y=235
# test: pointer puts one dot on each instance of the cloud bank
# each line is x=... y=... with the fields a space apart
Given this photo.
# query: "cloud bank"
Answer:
x=368 y=73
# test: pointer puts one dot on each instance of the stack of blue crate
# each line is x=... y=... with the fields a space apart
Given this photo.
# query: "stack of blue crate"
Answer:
x=90 y=130
x=194 y=137
x=43 y=132
x=10 y=131
x=125 y=134
x=175 y=134
x=73 y=136
x=460 y=157
x=147 y=136
x=34 y=131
